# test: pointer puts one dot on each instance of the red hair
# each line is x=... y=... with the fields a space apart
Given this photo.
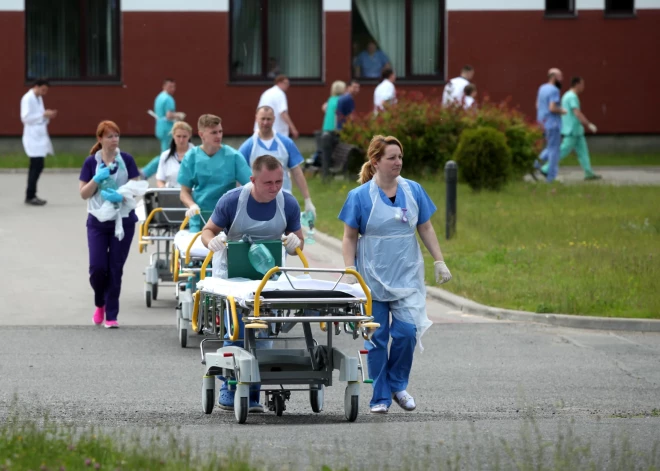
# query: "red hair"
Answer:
x=100 y=131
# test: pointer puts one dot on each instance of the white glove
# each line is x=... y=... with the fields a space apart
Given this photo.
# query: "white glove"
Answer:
x=592 y=128
x=442 y=274
x=217 y=244
x=291 y=243
x=190 y=212
x=309 y=206
x=179 y=116
x=349 y=279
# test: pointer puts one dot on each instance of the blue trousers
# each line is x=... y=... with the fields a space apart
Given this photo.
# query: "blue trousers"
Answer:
x=551 y=152
x=389 y=370
x=165 y=143
x=107 y=256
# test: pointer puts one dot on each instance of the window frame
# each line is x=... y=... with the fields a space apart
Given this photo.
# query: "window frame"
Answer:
x=571 y=12
x=265 y=53
x=83 y=79
x=441 y=78
x=619 y=13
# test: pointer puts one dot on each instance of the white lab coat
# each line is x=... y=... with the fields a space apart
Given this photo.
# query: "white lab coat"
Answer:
x=36 y=141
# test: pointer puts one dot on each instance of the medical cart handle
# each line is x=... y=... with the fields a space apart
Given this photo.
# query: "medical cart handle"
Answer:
x=192 y=242
x=347 y=271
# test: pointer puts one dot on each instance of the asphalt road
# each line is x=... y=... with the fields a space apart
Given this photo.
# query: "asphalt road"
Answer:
x=477 y=379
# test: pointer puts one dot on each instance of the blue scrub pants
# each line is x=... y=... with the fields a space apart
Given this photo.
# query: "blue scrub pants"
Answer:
x=390 y=372
x=551 y=152
x=107 y=256
x=165 y=143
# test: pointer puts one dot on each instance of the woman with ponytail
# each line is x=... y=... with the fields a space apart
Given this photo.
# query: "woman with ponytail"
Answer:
x=386 y=212
x=105 y=170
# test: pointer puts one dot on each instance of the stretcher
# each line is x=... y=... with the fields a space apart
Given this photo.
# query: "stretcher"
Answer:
x=270 y=307
x=160 y=216
x=188 y=256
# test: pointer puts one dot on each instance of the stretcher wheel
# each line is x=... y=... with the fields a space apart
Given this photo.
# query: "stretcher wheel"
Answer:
x=208 y=394
x=241 y=403
x=279 y=404
x=316 y=397
x=183 y=334
x=154 y=291
x=352 y=401
x=147 y=298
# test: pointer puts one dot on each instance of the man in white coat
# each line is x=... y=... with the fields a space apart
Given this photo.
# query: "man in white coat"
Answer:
x=36 y=141
x=453 y=92
x=275 y=97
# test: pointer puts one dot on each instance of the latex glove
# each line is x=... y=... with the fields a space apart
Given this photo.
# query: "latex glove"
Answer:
x=102 y=173
x=309 y=206
x=218 y=243
x=442 y=274
x=291 y=243
x=193 y=210
x=112 y=196
x=592 y=128
x=349 y=279
x=179 y=116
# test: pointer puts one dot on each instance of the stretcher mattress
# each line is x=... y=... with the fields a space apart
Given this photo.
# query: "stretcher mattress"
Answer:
x=182 y=241
x=243 y=289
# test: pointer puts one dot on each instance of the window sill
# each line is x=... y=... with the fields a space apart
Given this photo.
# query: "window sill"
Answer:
x=560 y=16
x=83 y=83
x=620 y=16
x=262 y=83
x=405 y=81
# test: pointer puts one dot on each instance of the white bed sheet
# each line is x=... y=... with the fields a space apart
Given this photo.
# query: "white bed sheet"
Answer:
x=243 y=289
x=182 y=241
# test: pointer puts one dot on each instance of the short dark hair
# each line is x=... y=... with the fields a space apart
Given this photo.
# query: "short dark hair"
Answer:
x=281 y=78
x=576 y=81
x=386 y=73
x=41 y=82
x=469 y=89
x=467 y=68
x=268 y=161
x=353 y=81
x=167 y=80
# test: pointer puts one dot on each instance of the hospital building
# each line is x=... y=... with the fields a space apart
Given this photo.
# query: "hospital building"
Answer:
x=106 y=59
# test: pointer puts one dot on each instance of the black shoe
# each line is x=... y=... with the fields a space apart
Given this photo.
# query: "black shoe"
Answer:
x=36 y=201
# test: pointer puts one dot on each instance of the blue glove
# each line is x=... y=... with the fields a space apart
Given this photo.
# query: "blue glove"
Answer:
x=102 y=173
x=112 y=196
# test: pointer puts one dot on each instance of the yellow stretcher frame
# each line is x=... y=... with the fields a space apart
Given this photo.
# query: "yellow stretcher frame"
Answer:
x=143 y=230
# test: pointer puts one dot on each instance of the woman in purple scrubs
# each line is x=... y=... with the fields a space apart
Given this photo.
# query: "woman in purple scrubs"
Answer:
x=105 y=170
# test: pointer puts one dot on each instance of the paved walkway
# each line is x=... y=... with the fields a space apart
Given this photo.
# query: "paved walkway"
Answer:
x=611 y=175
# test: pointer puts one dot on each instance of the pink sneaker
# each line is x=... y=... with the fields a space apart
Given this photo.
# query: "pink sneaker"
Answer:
x=111 y=325
x=99 y=315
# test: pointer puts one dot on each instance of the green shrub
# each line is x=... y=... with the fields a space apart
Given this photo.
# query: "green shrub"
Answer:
x=483 y=158
x=430 y=132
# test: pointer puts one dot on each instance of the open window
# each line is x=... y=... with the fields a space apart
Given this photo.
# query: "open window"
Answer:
x=623 y=8
x=561 y=8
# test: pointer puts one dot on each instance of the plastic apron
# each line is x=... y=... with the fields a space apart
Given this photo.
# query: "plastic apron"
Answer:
x=119 y=178
x=243 y=224
x=390 y=260
x=280 y=154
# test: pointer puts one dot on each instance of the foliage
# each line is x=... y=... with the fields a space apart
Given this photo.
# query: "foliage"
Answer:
x=483 y=158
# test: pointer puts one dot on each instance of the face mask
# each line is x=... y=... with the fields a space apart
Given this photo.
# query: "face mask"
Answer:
x=558 y=84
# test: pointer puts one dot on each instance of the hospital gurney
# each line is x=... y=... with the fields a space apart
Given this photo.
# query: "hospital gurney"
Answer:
x=188 y=256
x=163 y=214
x=275 y=306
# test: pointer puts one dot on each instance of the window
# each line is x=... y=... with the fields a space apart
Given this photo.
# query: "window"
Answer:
x=72 y=40
x=406 y=34
x=272 y=37
x=560 y=7
x=619 y=7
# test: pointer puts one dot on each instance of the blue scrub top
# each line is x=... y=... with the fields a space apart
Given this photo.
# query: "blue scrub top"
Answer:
x=371 y=66
x=547 y=94
x=210 y=177
x=164 y=102
x=295 y=158
x=357 y=207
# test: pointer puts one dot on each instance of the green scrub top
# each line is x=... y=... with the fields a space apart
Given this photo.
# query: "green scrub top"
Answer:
x=570 y=124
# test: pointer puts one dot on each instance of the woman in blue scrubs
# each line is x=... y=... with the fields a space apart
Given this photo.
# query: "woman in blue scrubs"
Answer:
x=386 y=212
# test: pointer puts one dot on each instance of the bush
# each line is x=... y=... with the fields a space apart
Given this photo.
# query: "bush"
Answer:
x=483 y=158
x=430 y=132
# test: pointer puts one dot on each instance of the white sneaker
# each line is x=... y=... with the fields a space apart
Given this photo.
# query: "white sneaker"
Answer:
x=405 y=400
x=379 y=409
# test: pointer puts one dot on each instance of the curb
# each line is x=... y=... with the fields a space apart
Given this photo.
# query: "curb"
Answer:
x=558 y=320
x=46 y=170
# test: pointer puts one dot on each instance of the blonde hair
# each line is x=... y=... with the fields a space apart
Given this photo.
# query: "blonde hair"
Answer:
x=375 y=152
x=338 y=87
x=208 y=121
x=100 y=131
x=182 y=125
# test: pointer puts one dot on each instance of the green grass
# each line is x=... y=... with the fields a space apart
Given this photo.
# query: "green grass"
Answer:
x=615 y=160
x=585 y=249
x=60 y=161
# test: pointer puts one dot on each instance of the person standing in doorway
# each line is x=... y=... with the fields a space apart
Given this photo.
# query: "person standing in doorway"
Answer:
x=548 y=115
x=572 y=130
x=453 y=92
x=36 y=142
x=275 y=97
x=370 y=63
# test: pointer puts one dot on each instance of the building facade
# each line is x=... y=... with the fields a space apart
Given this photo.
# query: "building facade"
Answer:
x=106 y=59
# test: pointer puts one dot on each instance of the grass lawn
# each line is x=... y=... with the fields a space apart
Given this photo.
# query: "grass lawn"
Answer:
x=585 y=249
x=75 y=161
